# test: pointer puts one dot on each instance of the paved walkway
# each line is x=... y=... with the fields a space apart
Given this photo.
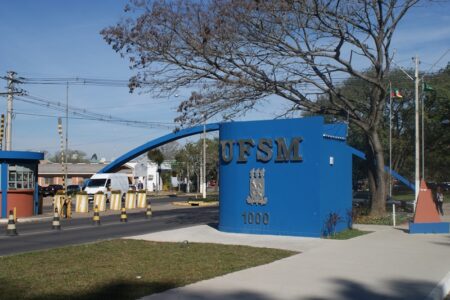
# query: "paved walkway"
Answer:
x=385 y=264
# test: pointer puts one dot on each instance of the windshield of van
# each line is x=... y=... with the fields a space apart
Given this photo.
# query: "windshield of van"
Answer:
x=96 y=182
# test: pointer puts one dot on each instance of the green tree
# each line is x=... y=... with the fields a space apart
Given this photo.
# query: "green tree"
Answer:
x=188 y=164
x=73 y=156
x=189 y=160
x=436 y=112
x=157 y=157
x=436 y=126
x=236 y=53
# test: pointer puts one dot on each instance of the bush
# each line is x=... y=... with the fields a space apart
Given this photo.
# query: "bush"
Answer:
x=363 y=217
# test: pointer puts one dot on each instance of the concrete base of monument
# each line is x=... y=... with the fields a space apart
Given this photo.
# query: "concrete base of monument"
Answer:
x=435 y=227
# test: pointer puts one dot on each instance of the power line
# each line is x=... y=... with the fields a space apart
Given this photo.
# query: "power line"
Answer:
x=87 y=115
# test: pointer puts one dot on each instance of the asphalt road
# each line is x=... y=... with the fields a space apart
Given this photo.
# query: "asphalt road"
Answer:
x=39 y=235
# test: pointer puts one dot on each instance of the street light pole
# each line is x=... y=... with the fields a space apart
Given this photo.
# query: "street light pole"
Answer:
x=67 y=137
x=417 y=131
x=390 y=139
x=204 y=160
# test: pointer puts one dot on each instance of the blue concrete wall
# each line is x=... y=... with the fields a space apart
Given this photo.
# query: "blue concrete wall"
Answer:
x=299 y=193
x=335 y=184
x=424 y=228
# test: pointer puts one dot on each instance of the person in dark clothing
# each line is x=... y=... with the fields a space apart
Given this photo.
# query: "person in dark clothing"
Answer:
x=439 y=200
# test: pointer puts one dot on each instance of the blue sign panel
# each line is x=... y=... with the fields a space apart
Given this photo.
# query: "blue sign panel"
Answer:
x=287 y=177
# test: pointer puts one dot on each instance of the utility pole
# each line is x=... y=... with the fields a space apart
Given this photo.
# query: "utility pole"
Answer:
x=204 y=161
x=417 y=131
x=67 y=137
x=9 y=111
x=390 y=140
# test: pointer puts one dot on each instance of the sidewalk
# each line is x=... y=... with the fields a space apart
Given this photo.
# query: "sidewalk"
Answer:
x=385 y=264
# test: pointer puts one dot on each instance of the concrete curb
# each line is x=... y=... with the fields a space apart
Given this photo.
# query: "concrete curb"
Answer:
x=195 y=203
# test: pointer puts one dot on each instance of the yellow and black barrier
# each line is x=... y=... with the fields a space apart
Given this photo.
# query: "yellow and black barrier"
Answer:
x=130 y=200
x=123 y=215
x=58 y=201
x=96 y=218
x=115 y=201
x=56 y=224
x=11 y=229
x=100 y=201
x=141 y=199
x=148 y=212
x=82 y=202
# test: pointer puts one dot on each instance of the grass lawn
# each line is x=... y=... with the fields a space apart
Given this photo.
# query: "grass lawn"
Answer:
x=347 y=234
x=383 y=220
x=409 y=196
x=122 y=269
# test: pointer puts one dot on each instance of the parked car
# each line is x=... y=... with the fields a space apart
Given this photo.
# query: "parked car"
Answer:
x=51 y=189
x=361 y=199
x=73 y=189
x=41 y=190
x=407 y=206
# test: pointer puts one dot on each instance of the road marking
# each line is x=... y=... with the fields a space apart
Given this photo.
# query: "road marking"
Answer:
x=73 y=228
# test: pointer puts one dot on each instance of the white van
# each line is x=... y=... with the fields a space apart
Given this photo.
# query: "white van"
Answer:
x=107 y=182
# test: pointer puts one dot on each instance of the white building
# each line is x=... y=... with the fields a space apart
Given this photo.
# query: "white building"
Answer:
x=147 y=173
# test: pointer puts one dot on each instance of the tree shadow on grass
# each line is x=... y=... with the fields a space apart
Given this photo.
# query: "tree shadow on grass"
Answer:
x=115 y=290
x=122 y=290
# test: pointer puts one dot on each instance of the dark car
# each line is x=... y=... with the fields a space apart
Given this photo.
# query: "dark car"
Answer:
x=72 y=189
x=41 y=190
x=52 y=189
x=361 y=199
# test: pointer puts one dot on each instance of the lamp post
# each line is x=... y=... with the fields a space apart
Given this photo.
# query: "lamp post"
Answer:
x=417 y=137
x=204 y=160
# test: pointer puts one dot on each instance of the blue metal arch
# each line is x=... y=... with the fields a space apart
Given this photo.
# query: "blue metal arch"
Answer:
x=156 y=143
x=394 y=174
x=197 y=130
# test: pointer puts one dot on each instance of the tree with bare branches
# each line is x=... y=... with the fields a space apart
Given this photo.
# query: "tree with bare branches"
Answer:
x=238 y=52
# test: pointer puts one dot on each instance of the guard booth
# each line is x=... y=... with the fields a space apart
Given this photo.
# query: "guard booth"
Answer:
x=286 y=177
x=18 y=182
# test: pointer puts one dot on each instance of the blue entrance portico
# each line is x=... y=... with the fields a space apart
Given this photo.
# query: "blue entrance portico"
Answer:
x=156 y=143
x=286 y=177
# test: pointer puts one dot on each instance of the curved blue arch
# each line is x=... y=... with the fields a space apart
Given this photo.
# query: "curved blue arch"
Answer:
x=394 y=174
x=197 y=130
x=156 y=143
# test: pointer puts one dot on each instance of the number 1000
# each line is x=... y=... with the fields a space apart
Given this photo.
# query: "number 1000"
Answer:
x=255 y=218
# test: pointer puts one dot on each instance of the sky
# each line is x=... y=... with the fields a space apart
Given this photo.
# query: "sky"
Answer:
x=51 y=38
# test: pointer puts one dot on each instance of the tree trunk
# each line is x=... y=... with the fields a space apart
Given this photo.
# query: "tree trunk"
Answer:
x=376 y=174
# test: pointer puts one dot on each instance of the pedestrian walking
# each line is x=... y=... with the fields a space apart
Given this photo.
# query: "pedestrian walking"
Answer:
x=440 y=200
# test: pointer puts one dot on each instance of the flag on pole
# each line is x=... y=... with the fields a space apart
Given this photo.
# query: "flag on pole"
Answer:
x=426 y=87
x=395 y=93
